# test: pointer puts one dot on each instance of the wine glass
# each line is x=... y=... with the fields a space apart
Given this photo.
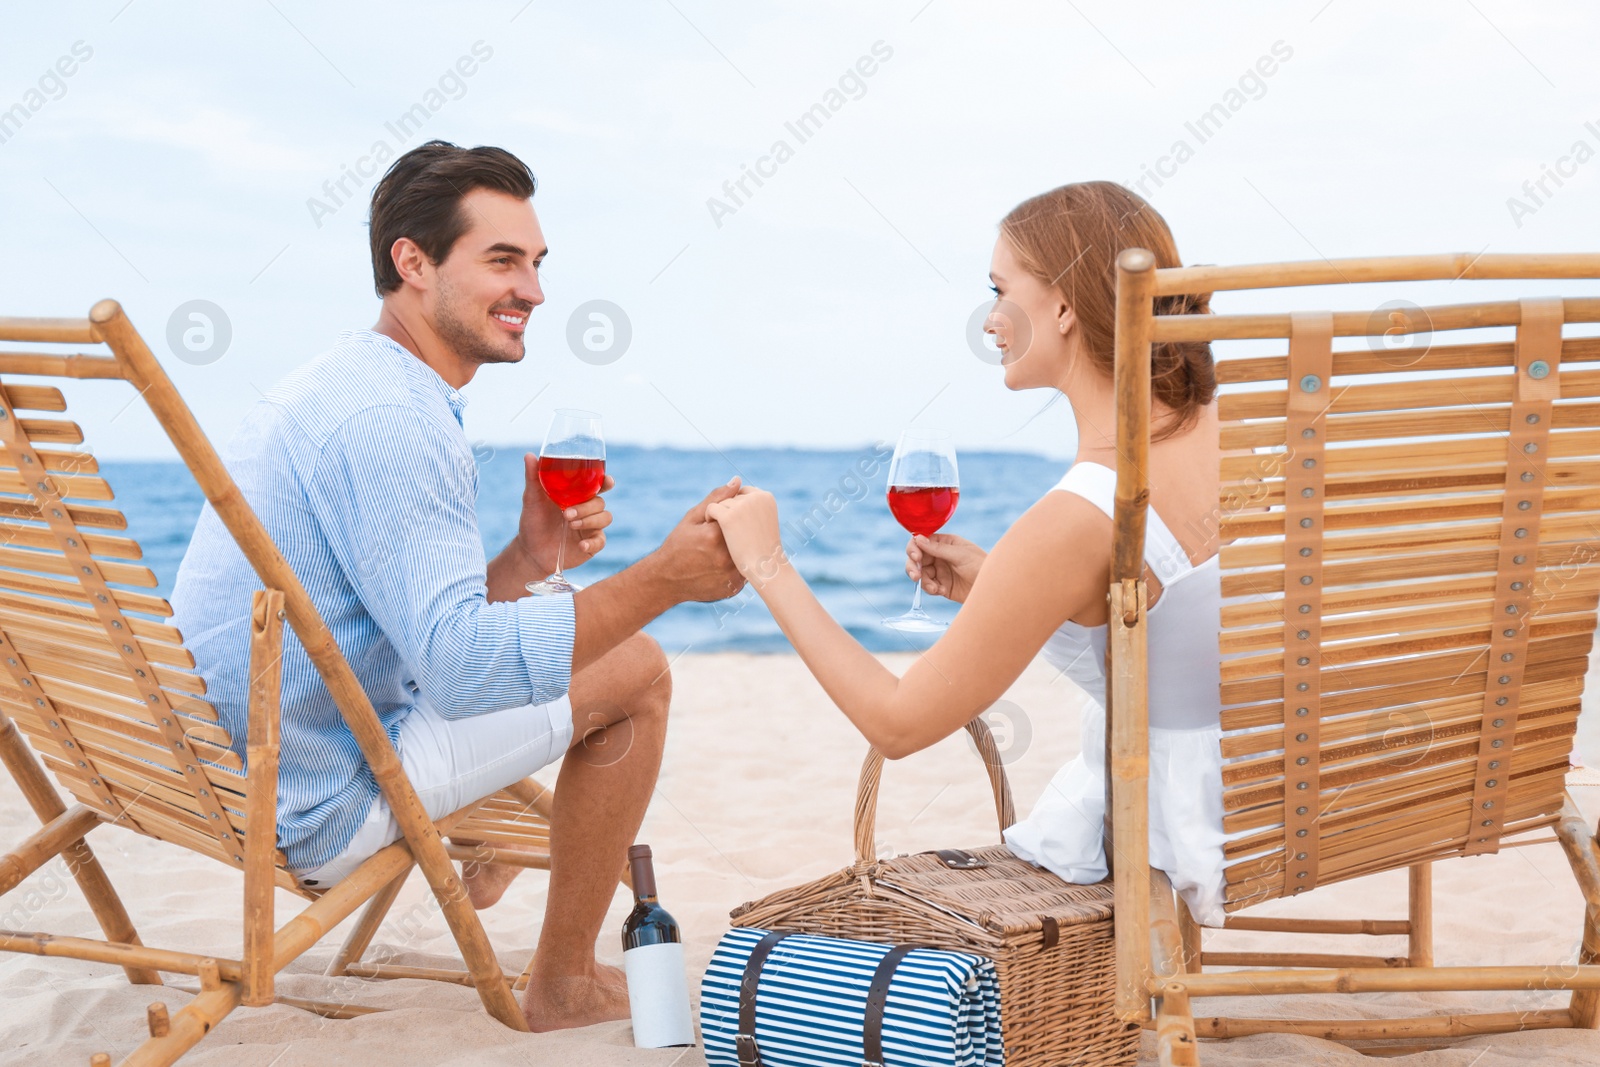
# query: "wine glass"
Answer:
x=572 y=467
x=923 y=491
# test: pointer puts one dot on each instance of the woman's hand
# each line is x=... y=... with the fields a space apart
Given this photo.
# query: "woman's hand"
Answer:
x=945 y=564
x=749 y=524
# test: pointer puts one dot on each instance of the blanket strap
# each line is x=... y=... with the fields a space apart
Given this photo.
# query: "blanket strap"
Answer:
x=877 y=1001
x=745 y=1042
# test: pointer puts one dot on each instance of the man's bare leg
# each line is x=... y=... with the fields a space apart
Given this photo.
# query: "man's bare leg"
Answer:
x=619 y=709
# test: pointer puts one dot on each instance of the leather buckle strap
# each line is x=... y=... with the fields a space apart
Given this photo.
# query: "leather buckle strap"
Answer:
x=1537 y=385
x=877 y=1002
x=745 y=1041
x=1310 y=388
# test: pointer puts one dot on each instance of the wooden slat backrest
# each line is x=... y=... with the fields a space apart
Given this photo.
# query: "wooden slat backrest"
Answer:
x=105 y=691
x=1373 y=517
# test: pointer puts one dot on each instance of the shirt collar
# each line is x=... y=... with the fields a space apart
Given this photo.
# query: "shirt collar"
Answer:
x=452 y=396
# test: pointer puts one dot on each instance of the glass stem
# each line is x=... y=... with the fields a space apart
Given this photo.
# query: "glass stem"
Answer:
x=560 y=549
x=916 y=597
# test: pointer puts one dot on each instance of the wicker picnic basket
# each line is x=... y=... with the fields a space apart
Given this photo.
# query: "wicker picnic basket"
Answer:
x=1051 y=941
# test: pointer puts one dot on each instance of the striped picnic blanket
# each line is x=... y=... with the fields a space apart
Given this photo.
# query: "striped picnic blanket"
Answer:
x=810 y=1006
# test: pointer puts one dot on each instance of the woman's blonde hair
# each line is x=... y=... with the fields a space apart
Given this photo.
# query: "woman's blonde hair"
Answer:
x=1070 y=238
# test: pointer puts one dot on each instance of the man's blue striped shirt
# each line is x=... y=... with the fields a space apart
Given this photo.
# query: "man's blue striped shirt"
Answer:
x=359 y=467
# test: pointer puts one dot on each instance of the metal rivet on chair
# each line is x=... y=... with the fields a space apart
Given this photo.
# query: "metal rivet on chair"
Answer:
x=1494 y=765
x=1305 y=524
x=205 y=792
x=68 y=744
x=1305 y=579
x=1308 y=463
x=1519 y=560
x=1502 y=701
x=1538 y=369
x=1301 y=810
x=1308 y=492
x=1504 y=679
x=1302 y=761
x=1530 y=448
x=1491 y=783
x=1303 y=635
x=1508 y=633
x=1305 y=609
x=1310 y=383
x=1303 y=660
x=137 y=671
x=1520 y=531
x=1515 y=586
x=1486 y=822
x=1302 y=686
x=1507 y=657
x=72 y=541
x=115 y=625
x=1308 y=433
x=27 y=682
x=1299 y=874
x=1524 y=505
x=1302 y=738
x=1498 y=723
x=1300 y=833
x=1305 y=552
x=39 y=701
x=1496 y=744
x=1300 y=856
x=1302 y=712
x=1302 y=785
x=1487 y=804
x=101 y=597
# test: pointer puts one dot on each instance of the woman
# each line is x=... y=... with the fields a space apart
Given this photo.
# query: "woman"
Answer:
x=1043 y=587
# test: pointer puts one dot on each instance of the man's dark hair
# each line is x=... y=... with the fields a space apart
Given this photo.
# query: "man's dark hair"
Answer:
x=420 y=197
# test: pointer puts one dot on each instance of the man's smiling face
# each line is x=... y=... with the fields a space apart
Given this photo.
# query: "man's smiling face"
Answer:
x=488 y=283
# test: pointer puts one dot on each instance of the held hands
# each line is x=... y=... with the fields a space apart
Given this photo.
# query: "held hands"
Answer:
x=694 y=557
x=749 y=524
x=543 y=525
x=945 y=564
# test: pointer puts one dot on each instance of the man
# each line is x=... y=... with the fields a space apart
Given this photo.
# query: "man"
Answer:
x=358 y=466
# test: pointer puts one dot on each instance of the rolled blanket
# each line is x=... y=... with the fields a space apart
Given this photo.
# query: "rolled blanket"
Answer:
x=811 y=1002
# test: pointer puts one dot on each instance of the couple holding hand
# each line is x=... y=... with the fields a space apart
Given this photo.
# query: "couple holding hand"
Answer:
x=358 y=465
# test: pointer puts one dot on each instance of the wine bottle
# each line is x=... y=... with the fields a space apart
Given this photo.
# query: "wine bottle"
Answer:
x=652 y=958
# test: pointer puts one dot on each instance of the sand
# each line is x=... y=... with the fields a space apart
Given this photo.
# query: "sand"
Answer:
x=756 y=794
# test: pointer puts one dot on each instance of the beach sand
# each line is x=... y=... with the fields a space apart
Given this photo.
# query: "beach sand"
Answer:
x=756 y=794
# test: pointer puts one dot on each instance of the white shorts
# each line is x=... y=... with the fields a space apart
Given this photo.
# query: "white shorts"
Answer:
x=453 y=762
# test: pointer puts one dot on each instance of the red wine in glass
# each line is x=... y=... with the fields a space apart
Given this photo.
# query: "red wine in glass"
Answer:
x=923 y=491
x=572 y=467
x=923 y=509
x=570 y=480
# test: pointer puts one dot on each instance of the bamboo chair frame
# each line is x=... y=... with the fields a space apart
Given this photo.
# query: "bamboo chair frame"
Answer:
x=1161 y=965
x=199 y=796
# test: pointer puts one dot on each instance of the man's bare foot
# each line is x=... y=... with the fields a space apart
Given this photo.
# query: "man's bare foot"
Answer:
x=576 y=1000
x=487 y=882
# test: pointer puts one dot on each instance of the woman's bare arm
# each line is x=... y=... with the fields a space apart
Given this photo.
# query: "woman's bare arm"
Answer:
x=1038 y=575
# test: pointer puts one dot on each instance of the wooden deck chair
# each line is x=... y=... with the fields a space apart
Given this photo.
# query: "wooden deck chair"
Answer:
x=97 y=690
x=1409 y=538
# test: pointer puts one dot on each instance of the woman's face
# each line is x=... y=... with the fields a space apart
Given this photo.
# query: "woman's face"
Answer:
x=1030 y=323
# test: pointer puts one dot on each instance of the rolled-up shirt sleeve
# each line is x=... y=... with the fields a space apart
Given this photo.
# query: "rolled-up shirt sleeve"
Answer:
x=396 y=497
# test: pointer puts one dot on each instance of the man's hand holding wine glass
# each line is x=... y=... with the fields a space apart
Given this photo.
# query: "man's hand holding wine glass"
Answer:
x=545 y=525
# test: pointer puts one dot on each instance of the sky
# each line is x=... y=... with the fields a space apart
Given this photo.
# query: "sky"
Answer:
x=167 y=153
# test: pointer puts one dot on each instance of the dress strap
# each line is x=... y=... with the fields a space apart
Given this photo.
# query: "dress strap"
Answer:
x=1097 y=483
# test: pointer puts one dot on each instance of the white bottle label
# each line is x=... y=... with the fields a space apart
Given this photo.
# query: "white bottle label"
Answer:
x=658 y=995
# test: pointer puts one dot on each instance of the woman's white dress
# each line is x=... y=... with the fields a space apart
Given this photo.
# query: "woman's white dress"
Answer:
x=1063 y=832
